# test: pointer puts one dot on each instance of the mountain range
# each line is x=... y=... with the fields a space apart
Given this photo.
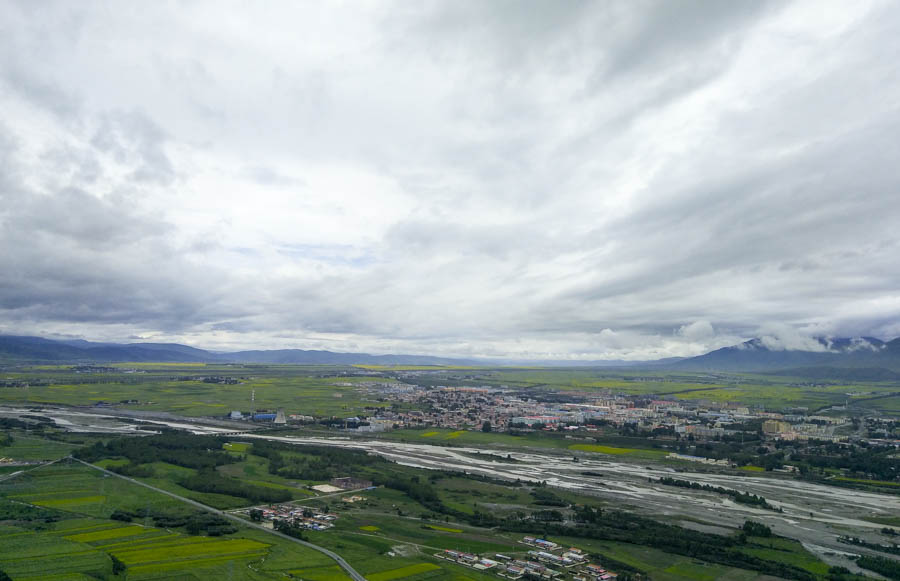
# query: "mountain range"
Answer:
x=766 y=355
x=15 y=348
x=878 y=358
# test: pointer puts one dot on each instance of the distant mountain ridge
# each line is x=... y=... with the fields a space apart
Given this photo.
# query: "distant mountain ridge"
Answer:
x=757 y=355
x=300 y=356
x=37 y=349
x=880 y=358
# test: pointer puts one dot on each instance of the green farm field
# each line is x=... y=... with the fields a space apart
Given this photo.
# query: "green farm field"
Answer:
x=602 y=442
x=82 y=541
x=785 y=551
x=325 y=391
x=307 y=390
x=27 y=446
x=772 y=392
x=387 y=534
x=31 y=555
x=82 y=491
x=448 y=437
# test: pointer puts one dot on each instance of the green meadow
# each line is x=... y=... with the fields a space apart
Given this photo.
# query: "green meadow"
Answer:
x=603 y=442
x=785 y=551
x=77 y=540
x=322 y=390
x=388 y=535
x=305 y=390
x=77 y=489
x=27 y=446
x=770 y=391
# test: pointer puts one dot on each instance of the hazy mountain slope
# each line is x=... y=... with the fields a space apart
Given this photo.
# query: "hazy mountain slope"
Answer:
x=755 y=355
x=300 y=356
x=36 y=349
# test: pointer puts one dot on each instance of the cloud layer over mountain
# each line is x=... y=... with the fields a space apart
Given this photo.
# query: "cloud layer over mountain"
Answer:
x=524 y=179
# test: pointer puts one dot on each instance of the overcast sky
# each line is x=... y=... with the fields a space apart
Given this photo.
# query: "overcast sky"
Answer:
x=548 y=179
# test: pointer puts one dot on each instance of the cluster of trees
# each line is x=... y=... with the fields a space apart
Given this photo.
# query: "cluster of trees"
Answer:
x=14 y=511
x=736 y=495
x=9 y=423
x=200 y=452
x=422 y=492
x=315 y=462
x=194 y=523
x=545 y=497
x=548 y=515
x=203 y=453
x=741 y=450
x=288 y=528
x=890 y=568
x=892 y=549
x=437 y=475
x=211 y=481
x=756 y=529
x=118 y=566
x=588 y=514
x=838 y=573
x=213 y=525
x=876 y=462
x=626 y=572
x=425 y=494
x=812 y=458
x=133 y=470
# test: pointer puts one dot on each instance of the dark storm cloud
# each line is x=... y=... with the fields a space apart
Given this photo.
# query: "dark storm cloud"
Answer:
x=71 y=256
x=666 y=34
x=625 y=179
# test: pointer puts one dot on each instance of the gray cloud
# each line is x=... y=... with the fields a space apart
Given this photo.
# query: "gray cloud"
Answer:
x=569 y=179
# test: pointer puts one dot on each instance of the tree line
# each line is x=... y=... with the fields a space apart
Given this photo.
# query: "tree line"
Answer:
x=736 y=495
x=313 y=462
x=189 y=451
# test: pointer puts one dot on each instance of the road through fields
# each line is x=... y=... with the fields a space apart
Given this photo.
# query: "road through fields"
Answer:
x=337 y=558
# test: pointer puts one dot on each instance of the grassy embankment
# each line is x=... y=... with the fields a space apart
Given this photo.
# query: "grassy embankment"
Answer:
x=388 y=535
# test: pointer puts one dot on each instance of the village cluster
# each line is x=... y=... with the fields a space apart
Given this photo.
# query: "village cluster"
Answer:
x=305 y=517
x=548 y=560
x=503 y=409
x=298 y=516
x=544 y=560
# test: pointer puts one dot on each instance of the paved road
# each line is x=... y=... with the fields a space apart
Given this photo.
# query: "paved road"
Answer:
x=337 y=558
x=6 y=477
